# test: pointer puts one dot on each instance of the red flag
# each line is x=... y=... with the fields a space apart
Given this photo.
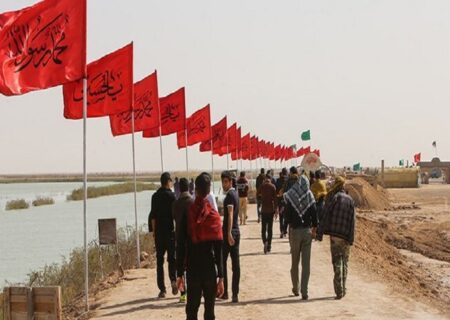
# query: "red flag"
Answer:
x=278 y=152
x=255 y=148
x=232 y=138
x=316 y=151
x=246 y=147
x=109 y=86
x=173 y=115
x=198 y=128
x=218 y=138
x=417 y=157
x=236 y=154
x=146 y=113
x=42 y=46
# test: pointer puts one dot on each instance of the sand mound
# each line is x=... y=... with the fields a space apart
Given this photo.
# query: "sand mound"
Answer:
x=366 y=196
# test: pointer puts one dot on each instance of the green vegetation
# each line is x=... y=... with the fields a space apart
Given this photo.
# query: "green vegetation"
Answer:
x=41 y=201
x=70 y=273
x=95 y=192
x=17 y=204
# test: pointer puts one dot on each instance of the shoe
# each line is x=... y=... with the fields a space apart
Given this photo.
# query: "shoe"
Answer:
x=295 y=293
x=235 y=299
x=224 y=297
x=174 y=288
x=266 y=246
x=183 y=298
x=338 y=297
x=162 y=295
x=281 y=236
x=304 y=297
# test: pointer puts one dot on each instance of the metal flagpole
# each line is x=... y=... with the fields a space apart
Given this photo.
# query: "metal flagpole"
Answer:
x=186 y=143
x=228 y=155
x=160 y=140
x=212 y=169
x=86 y=255
x=138 y=246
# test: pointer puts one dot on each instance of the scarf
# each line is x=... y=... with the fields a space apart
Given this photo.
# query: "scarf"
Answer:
x=300 y=196
x=337 y=186
x=204 y=223
x=319 y=189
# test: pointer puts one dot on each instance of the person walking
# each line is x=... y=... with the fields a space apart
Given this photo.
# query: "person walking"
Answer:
x=259 y=181
x=281 y=185
x=231 y=236
x=180 y=209
x=302 y=219
x=242 y=187
x=192 y=187
x=319 y=190
x=161 y=222
x=176 y=188
x=339 y=223
x=269 y=209
x=199 y=252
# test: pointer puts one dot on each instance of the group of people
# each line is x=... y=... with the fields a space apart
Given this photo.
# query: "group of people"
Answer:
x=190 y=231
x=188 y=228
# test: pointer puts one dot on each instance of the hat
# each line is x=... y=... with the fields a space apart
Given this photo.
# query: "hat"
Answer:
x=165 y=177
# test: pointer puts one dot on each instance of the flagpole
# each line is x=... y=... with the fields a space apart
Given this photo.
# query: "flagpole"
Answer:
x=212 y=169
x=86 y=254
x=138 y=245
x=186 y=143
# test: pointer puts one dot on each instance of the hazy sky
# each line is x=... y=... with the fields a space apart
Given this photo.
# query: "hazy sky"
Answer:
x=371 y=79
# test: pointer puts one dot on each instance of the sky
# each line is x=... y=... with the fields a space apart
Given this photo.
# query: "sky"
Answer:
x=371 y=79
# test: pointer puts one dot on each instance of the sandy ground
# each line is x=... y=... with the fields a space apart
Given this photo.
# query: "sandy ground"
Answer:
x=266 y=290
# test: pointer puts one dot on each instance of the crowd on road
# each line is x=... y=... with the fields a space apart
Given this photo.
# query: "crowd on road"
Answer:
x=197 y=241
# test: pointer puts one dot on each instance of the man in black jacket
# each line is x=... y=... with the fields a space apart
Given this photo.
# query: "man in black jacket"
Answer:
x=161 y=223
x=259 y=181
x=180 y=209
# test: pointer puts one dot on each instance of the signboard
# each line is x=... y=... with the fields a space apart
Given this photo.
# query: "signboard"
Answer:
x=311 y=162
x=24 y=303
x=107 y=231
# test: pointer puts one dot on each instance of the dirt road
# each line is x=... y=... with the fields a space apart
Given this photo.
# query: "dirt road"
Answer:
x=266 y=291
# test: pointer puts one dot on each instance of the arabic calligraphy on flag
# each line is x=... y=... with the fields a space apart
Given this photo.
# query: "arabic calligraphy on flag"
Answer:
x=173 y=115
x=146 y=111
x=42 y=46
x=218 y=138
x=198 y=128
x=109 y=86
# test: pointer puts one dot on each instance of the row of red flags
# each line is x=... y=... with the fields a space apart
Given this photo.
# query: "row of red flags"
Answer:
x=45 y=45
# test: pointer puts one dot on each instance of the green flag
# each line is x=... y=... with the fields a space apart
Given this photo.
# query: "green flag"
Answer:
x=401 y=163
x=306 y=135
x=357 y=167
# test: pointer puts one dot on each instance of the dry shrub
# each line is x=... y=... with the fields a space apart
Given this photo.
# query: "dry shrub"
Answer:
x=70 y=273
x=17 y=204
x=95 y=192
x=42 y=201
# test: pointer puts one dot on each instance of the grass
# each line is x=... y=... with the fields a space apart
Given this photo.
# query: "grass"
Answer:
x=70 y=273
x=17 y=204
x=96 y=192
x=42 y=201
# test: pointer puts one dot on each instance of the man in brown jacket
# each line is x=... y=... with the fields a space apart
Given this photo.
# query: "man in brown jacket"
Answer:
x=269 y=209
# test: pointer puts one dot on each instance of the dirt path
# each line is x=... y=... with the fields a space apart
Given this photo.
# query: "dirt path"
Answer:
x=266 y=291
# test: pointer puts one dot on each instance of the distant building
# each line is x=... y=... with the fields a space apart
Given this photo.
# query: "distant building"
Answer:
x=435 y=169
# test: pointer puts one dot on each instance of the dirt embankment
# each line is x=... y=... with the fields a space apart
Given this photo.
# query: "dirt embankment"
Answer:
x=405 y=240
